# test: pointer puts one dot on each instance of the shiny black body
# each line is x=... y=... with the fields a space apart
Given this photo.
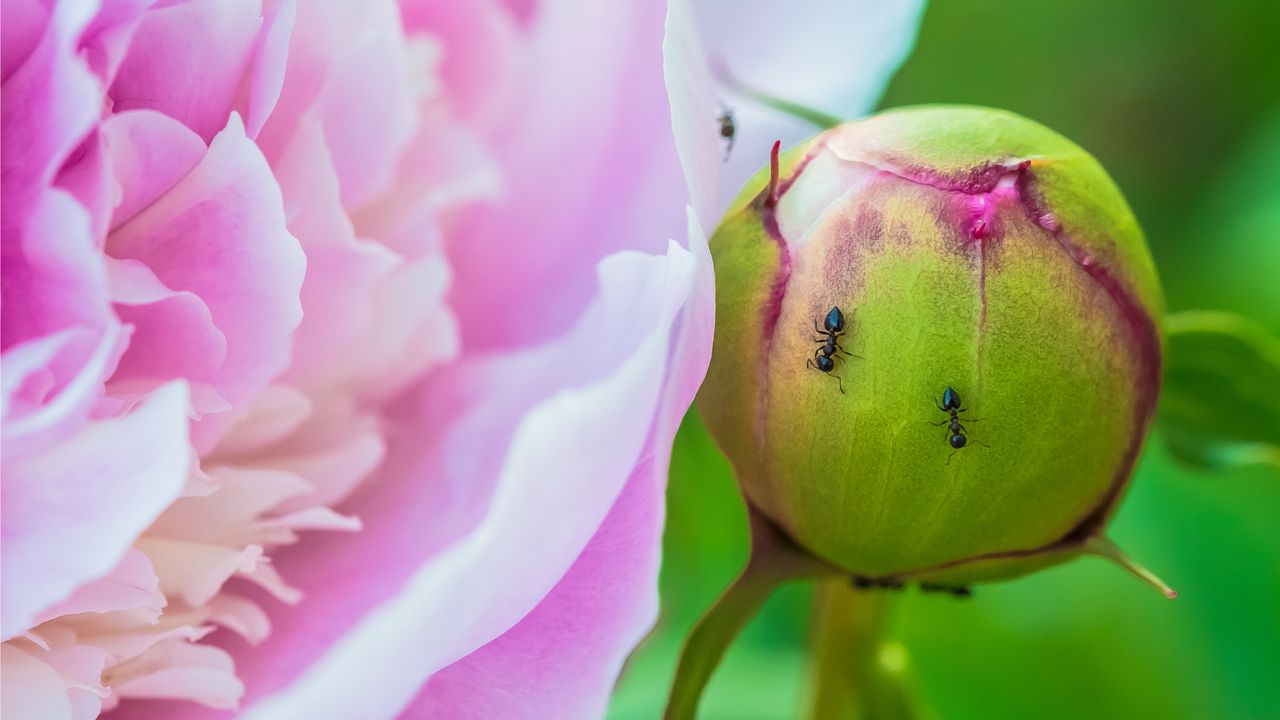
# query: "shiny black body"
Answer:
x=829 y=336
x=952 y=405
x=957 y=590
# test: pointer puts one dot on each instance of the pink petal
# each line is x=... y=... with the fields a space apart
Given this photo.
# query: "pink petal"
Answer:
x=174 y=334
x=187 y=61
x=321 y=36
x=54 y=276
x=86 y=174
x=590 y=410
x=22 y=22
x=195 y=571
x=220 y=234
x=47 y=106
x=590 y=169
x=71 y=512
x=31 y=688
x=366 y=108
x=481 y=50
x=81 y=669
x=241 y=496
x=693 y=110
x=149 y=153
x=189 y=671
x=266 y=73
x=241 y=616
x=27 y=380
x=274 y=414
x=68 y=370
x=342 y=271
x=131 y=585
x=106 y=40
x=561 y=660
x=334 y=452
x=446 y=165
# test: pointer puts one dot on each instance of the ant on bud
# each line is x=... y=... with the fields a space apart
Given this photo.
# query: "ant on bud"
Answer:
x=951 y=404
x=823 y=358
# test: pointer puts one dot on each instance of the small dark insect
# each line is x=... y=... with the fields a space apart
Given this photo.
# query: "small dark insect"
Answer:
x=951 y=405
x=862 y=582
x=829 y=336
x=957 y=590
x=728 y=129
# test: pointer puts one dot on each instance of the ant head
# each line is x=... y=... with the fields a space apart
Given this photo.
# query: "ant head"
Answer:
x=834 y=321
x=950 y=399
x=958 y=441
x=826 y=364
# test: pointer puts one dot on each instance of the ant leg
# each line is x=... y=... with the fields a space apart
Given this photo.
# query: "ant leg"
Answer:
x=982 y=443
x=841 y=381
x=809 y=363
x=940 y=423
x=953 y=454
x=938 y=404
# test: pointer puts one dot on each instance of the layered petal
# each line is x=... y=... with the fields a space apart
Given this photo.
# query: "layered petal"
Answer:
x=584 y=178
x=186 y=60
x=220 y=234
x=515 y=523
x=562 y=659
x=71 y=511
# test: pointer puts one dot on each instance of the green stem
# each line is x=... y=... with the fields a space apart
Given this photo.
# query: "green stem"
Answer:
x=855 y=675
x=773 y=561
x=813 y=116
x=711 y=637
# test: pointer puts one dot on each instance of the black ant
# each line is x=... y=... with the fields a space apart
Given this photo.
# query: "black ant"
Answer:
x=951 y=404
x=963 y=591
x=822 y=358
x=728 y=129
x=862 y=582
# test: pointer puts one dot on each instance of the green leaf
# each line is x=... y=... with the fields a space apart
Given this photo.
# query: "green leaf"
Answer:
x=1221 y=401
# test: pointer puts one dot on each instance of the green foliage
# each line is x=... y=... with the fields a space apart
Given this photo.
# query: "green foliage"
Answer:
x=1222 y=378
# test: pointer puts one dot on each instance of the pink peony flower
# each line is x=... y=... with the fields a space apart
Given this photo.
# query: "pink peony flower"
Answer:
x=343 y=347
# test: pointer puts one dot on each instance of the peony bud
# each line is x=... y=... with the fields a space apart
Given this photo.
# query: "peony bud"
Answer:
x=979 y=412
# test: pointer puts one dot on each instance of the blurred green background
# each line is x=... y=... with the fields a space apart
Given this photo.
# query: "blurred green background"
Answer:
x=1180 y=100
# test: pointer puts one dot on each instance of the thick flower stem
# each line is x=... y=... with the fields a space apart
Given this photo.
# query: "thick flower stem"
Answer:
x=773 y=561
x=854 y=675
x=709 y=640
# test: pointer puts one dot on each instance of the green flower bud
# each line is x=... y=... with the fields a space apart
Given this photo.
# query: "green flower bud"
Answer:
x=966 y=248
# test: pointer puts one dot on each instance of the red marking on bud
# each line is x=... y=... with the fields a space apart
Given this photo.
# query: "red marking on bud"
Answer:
x=1024 y=165
x=773 y=174
x=979 y=231
x=1049 y=222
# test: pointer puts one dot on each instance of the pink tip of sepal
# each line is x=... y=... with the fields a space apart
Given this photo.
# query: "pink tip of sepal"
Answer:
x=772 y=199
x=1106 y=548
